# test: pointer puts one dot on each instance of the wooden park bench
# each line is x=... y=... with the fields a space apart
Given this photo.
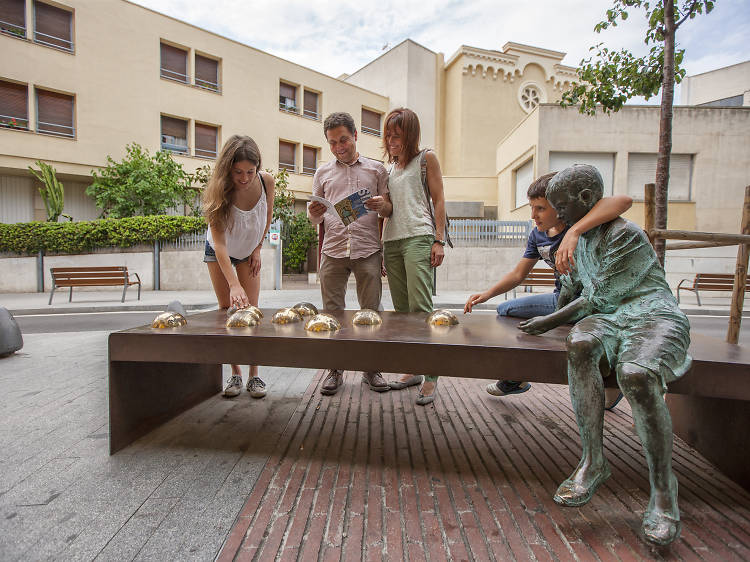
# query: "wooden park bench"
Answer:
x=93 y=277
x=537 y=277
x=714 y=396
x=709 y=282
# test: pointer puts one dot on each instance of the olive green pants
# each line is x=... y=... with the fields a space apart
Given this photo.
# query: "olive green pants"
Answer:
x=407 y=263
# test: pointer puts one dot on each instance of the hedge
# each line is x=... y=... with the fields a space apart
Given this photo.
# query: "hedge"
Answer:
x=79 y=237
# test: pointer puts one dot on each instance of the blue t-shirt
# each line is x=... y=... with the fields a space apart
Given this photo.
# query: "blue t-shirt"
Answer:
x=543 y=247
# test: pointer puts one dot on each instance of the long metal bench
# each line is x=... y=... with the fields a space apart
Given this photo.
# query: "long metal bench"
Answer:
x=99 y=276
x=140 y=359
x=709 y=282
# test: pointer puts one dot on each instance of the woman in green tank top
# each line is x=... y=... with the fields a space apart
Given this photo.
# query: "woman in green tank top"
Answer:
x=413 y=243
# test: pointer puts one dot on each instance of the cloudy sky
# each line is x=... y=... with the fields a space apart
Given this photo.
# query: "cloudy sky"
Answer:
x=337 y=37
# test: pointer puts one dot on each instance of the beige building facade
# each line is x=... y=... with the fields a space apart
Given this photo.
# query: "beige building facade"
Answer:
x=81 y=79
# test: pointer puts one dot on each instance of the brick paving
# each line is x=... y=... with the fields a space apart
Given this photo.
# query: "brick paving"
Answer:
x=366 y=476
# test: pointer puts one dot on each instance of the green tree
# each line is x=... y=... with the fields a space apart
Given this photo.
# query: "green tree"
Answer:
x=51 y=190
x=300 y=236
x=283 y=199
x=612 y=77
x=141 y=184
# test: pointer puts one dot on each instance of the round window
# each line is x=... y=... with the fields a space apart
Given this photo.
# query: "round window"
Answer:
x=529 y=96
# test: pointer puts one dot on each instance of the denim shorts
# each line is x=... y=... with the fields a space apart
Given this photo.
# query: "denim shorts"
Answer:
x=210 y=255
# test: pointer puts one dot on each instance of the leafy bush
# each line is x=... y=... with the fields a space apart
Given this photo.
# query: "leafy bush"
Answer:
x=78 y=237
x=52 y=191
x=142 y=185
x=301 y=235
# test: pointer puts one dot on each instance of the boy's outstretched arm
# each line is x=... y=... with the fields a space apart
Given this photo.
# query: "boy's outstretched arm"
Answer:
x=605 y=210
x=565 y=315
x=509 y=281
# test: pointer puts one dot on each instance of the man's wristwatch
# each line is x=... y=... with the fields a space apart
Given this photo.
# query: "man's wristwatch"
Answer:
x=441 y=242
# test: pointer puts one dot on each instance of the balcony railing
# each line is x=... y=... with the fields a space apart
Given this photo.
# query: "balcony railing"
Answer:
x=207 y=85
x=288 y=107
x=14 y=122
x=45 y=39
x=55 y=129
x=291 y=168
x=180 y=148
x=308 y=171
x=172 y=75
x=484 y=232
x=203 y=153
x=370 y=131
x=13 y=29
x=311 y=114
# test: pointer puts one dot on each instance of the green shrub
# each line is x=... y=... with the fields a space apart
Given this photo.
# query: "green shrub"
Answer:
x=301 y=235
x=78 y=237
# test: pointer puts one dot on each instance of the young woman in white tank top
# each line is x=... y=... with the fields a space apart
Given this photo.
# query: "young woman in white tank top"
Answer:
x=238 y=206
x=412 y=247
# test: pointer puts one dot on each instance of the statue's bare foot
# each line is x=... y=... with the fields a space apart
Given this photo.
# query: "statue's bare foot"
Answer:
x=581 y=485
x=661 y=522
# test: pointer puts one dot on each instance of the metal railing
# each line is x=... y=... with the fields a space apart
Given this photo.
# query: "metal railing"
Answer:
x=207 y=85
x=370 y=131
x=288 y=108
x=14 y=122
x=182 y=149
x=172 y=75
x=194 y=241
x=200 y=152
x=308 y=171
x=291 y=168
x=311 y=114
x=39 y=38
x=47 y=128
x=13 y=29
x=483 y=232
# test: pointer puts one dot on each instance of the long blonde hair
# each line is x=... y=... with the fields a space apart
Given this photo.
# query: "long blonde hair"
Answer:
x=217 y=197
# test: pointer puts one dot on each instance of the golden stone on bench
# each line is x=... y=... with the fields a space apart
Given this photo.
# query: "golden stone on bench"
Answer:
x=306 y=308
x=287 y=316
x=243 y=318
x=169 y=320
x=366 y=317
x=254 y=309
x=322 y=323
x=442 y=317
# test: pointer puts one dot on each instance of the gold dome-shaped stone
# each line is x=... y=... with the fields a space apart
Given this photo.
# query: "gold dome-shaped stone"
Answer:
x=442 y=317
x=366 y=317
x=306 y=308
x=322 y=323
x=257 y=311
x=169 y=320
x=286 y=316
x=243 y=318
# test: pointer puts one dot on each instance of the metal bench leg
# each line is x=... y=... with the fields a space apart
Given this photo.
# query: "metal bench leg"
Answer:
x=70 y=297
x=139 y=291
x=124 y=288
x=697 y=296
x=51 y=294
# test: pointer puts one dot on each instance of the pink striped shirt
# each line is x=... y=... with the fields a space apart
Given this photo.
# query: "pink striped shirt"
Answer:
x=335 y=180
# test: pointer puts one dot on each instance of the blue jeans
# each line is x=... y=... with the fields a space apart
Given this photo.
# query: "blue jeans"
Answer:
x=529 y=307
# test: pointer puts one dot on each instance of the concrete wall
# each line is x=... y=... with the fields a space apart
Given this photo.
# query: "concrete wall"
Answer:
x=114 y=75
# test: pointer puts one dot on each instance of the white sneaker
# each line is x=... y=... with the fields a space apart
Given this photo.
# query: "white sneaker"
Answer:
x=234 y=386
x=256 y=387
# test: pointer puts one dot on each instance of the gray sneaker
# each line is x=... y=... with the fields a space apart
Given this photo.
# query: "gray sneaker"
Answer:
x=256 y=387
x=234 y=386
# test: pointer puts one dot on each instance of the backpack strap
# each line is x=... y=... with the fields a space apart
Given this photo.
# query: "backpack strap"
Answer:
x=428 y=197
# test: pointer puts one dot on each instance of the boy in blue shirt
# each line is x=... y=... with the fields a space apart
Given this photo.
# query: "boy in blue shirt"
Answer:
x=554 y=242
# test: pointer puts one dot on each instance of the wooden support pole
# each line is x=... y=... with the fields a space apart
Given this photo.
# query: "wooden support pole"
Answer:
x=694 y=245
x=740 y=276
x=649 y=209
x=729 y=239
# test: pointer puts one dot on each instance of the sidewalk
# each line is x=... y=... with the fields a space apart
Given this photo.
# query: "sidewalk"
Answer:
x=109 y=300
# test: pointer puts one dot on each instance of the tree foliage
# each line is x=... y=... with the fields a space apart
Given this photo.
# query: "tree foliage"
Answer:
x=142 y=184
x=283 y=199
x=52 y=190
x=300 y=236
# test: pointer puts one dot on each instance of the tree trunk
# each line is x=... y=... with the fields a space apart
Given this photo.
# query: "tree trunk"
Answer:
x=665 y=126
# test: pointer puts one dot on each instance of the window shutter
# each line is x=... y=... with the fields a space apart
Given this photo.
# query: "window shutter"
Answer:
x=311 y=104
x=12 y=12
x=524 y=177
x=54 y=113
x=205 y=140
x=287 y=91
x=309 y=158
x=206 y=71
x=371 y=121
x=642 y=170
x=173 y=63
x=53 y=26
x=14 y=104
x=174 y=127
x=286 y=155
x=602 y=161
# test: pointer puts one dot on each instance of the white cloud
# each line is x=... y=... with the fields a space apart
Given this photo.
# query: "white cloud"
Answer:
x=336 y=37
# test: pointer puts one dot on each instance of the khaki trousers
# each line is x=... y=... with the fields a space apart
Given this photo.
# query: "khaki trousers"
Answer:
x=334 y=275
